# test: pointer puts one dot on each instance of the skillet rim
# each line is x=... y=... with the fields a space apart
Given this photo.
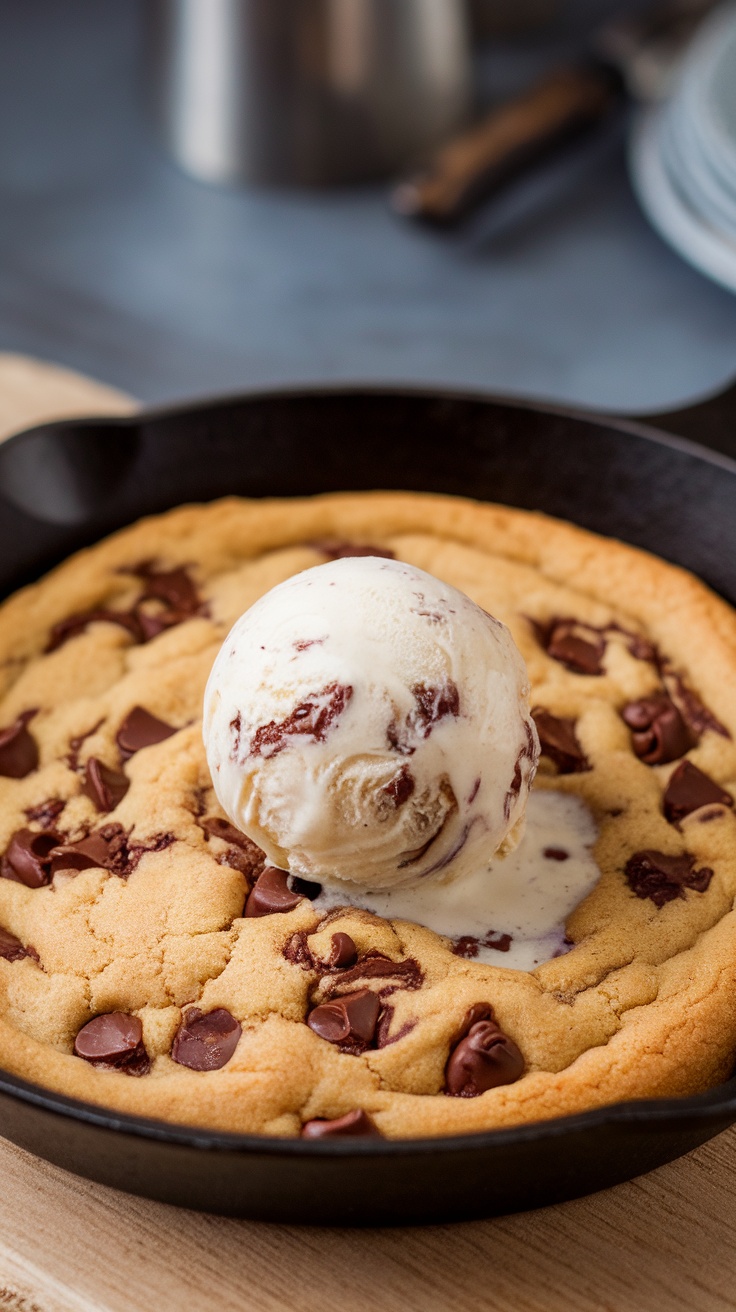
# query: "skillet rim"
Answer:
x=717 y=1105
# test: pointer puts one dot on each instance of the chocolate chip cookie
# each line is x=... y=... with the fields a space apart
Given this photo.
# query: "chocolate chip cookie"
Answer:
x=150 y=959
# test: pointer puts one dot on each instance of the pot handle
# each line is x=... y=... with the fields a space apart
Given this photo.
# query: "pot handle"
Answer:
x=509 y=141
x=712 y=422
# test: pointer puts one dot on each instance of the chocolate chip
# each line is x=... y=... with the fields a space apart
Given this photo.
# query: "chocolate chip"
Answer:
x=105 y=787
x=579 y=647
x=558 y=741
x=658 y=732
x=689 y=789
x=433 y=703
x=45 y=813
x=468 y=945
x=93 y=852
x=357 y=1124
x=141 y=729
x=271 y=894
x=556 y=854
x=662 y=878
x=343 y=952
x=483 y=1058
x=18 y=749
x=206 y=1042
x=114 y=1042
x=76 y=743
x=347 y=1020
x=11 y=948
x=27 y=859
x=341 y=550
x=401 y=787
x=310 y=719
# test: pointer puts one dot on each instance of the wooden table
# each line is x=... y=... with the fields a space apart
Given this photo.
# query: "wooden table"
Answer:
x=664 y=1243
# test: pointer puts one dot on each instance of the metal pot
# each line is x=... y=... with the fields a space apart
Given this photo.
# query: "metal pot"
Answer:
x=306 y=91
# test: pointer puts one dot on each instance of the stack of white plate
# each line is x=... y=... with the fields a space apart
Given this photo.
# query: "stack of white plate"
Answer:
x=683 y=154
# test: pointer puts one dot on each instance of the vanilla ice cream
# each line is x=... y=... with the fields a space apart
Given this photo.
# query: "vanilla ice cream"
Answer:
x=365 y=722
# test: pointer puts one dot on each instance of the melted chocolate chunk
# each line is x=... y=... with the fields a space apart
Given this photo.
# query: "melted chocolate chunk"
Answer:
x=46 y=812
x=469 y=946
x=296 y=950
x=18 y=749
x=114 y=1042
x=406 y=974
x=141 y=729
x=483 y=1056
x=384 y=1037
x=215 y=827
x=401 y=787
x=28 y=857
x=658 y=732
x=109 y=848
x=349 y=1021
x=432 y=704
x=76 y=743
x=105 y=787
x=134 y=851
x=527 y=753
x=662 y=878
x=93 y=852
x=579 y=647
x=11 y=948
x=558 y=741
x=271 y=894
x=174 y=587
x=556 y=854
x=311 y=719
x=206 y=1042
x=340 y=550
x=689 y=789
x=73 y=625
x=357 y=1124
x=691 y=707
x=343 y=952
x=243 y=854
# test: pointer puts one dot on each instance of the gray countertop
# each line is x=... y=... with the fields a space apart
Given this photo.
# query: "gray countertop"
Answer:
x=115 y=263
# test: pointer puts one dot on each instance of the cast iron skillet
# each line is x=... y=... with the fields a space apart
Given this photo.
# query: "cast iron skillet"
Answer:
x=65 y=485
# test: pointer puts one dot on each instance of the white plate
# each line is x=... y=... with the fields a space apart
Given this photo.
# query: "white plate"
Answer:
x=690 y=173
x=703 y=246
x=708 y=92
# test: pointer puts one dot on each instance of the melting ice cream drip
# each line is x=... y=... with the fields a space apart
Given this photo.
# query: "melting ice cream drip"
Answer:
x=510 y=912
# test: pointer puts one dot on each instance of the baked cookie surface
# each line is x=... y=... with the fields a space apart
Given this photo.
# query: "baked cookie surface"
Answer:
x=130 y=975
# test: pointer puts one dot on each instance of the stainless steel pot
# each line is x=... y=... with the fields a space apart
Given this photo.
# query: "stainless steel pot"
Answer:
x=306 y=91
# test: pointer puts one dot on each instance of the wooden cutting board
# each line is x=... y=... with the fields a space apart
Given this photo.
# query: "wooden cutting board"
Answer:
x=664 y=1243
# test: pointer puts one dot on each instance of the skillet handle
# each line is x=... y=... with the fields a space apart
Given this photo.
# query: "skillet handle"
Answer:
x=711 y=422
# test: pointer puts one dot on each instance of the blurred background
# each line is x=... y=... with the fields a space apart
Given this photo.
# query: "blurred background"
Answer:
x=136 y=248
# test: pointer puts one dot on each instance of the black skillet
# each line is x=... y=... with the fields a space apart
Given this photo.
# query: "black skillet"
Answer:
x=65 y=485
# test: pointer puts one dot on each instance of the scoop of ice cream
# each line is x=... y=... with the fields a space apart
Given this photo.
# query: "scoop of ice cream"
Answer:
x=365 y=722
